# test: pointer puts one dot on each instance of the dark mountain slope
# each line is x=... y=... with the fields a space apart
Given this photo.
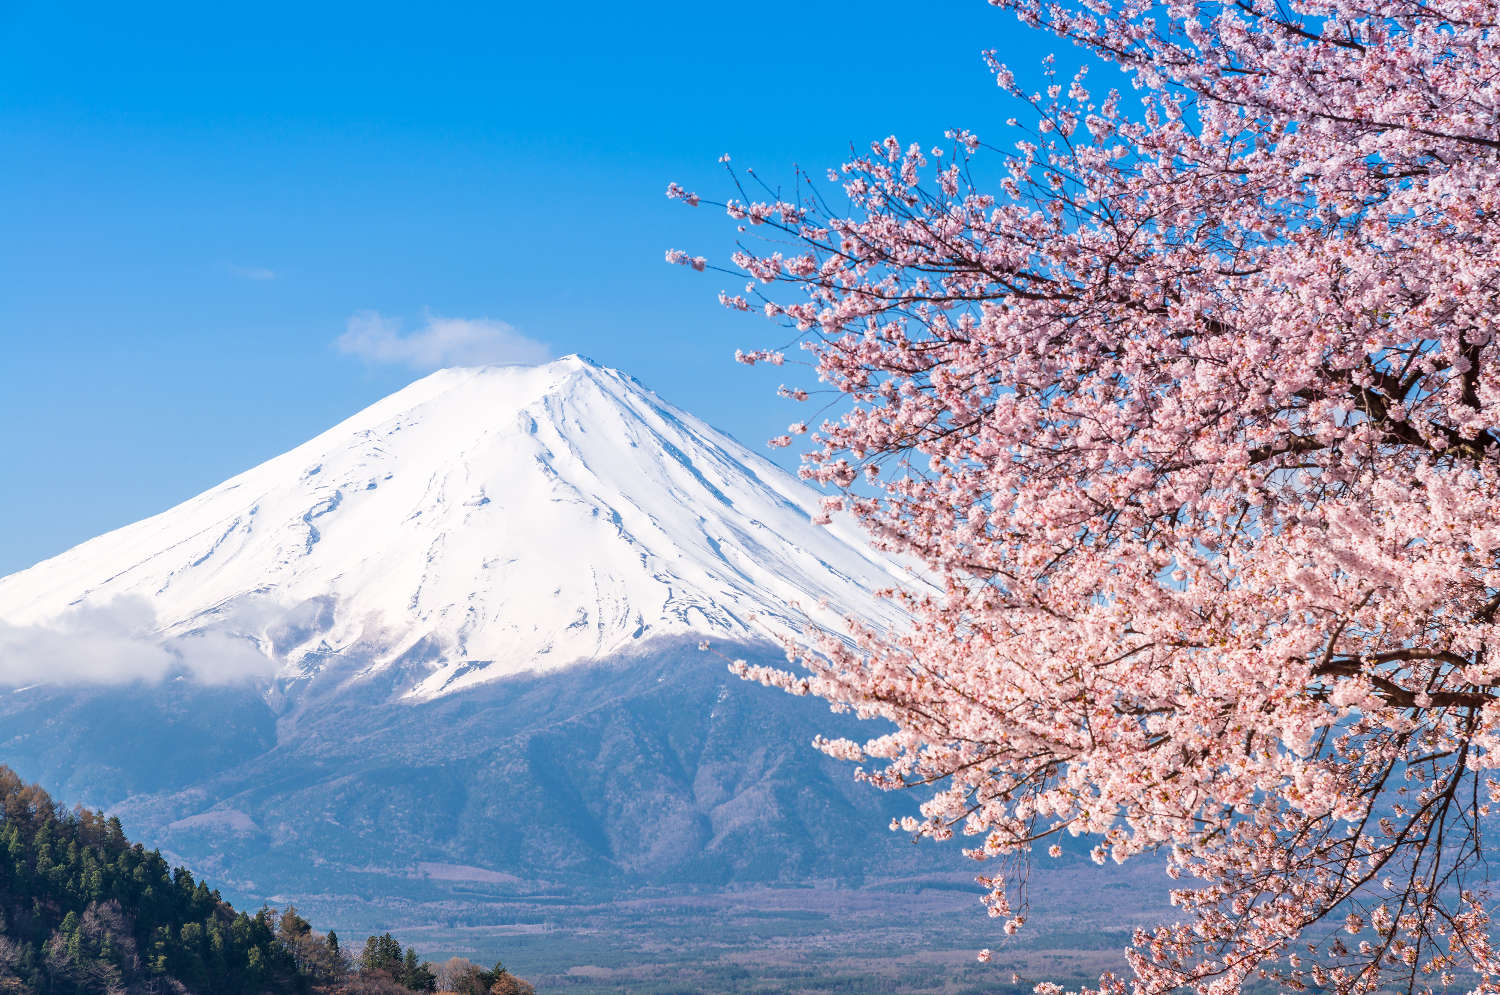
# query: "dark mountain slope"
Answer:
x=656 y=770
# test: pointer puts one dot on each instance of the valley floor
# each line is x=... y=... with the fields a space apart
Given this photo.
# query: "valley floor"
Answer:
x=908 y=936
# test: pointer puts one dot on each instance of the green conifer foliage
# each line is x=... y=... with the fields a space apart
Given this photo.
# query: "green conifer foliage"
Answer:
x=83 y=910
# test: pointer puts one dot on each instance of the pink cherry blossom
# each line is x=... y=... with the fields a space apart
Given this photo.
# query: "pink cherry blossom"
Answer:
x=1191 y=400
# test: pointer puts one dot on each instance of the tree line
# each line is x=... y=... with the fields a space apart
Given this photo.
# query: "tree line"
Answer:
x=84 y=910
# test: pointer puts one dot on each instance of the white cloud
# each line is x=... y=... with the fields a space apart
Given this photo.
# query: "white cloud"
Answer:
x=252 y=272
x=439 y=342
x=118 y=643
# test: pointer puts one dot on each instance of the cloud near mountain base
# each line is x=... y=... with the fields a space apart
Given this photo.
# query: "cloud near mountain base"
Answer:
x=116 y=643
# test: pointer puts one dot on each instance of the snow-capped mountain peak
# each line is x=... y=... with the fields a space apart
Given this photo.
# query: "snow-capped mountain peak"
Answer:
x=482 y=522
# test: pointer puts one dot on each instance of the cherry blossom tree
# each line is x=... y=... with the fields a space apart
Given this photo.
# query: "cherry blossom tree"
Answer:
x=1189 y=397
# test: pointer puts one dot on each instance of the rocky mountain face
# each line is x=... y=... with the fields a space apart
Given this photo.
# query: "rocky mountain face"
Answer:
x=656 y=769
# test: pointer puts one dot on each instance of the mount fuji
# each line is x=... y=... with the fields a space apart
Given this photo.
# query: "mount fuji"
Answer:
x=440 y=665
x=478 y=524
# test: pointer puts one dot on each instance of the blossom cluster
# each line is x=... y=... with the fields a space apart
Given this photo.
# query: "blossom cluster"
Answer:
x=1194 y=409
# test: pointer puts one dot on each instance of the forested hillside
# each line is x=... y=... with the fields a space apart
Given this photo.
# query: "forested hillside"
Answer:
x=84 y=910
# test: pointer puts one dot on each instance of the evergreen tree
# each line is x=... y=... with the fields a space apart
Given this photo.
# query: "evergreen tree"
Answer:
x=83 y=910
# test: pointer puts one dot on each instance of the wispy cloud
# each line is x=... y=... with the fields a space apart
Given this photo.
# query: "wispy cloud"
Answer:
x=252 y=272
x=117 y=643
x=439 y=342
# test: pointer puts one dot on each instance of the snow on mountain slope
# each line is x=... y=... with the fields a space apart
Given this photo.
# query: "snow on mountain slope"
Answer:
x=487 y=521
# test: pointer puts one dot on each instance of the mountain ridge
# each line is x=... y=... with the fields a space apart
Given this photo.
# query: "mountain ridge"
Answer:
x=478 y=523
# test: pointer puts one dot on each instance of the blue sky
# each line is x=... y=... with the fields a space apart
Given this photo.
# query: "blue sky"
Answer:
x=196 y=200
